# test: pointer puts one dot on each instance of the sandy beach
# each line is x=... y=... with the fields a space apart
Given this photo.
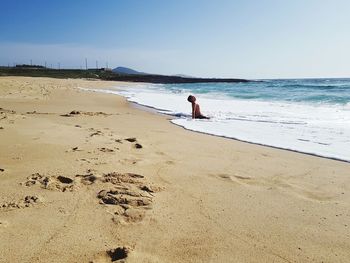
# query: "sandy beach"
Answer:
x=88 y=177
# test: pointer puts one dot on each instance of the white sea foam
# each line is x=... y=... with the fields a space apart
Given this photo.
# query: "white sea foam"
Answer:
x=322 y=130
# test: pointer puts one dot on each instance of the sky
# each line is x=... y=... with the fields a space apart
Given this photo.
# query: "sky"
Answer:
x=202 y=38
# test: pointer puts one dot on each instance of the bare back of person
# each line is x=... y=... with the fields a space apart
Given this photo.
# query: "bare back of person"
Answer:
x=196 y=111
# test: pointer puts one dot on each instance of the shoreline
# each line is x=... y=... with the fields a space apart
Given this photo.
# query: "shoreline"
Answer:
x=183 y=196
x=155 y=110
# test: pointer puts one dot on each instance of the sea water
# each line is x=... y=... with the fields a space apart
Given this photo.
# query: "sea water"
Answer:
x=305 y=115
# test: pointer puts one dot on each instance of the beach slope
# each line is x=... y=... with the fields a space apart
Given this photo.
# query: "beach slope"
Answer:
x=87 y=177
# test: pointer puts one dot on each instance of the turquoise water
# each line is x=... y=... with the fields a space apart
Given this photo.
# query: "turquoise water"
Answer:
x=321 y=91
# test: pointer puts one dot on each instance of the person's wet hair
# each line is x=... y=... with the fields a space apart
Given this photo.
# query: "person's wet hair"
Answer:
x=190 y=98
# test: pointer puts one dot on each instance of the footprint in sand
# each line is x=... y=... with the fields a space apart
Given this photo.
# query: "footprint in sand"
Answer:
x=301 y=190
x=105 y=150
x=127 y=193
x=27 y=201
x=281 y=184
x=131 y=139
x=88 y=178
x=96 y=133
x=58 y=183
x=304 y=192
x=130 y=196
x=118 y=254
x=136 y=145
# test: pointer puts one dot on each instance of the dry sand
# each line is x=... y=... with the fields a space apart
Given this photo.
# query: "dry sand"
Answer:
x=77 y=187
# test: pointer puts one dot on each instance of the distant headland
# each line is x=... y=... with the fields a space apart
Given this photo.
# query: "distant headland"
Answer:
x=117 y=74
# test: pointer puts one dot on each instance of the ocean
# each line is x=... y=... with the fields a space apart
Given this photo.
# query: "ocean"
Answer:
x=304 y=115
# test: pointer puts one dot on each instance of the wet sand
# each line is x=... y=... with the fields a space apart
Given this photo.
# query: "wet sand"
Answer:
x=86 y=177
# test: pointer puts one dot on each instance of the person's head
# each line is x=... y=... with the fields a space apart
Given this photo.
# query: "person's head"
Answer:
x=191 y=99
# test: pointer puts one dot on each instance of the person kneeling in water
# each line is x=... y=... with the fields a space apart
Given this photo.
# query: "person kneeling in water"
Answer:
x=196 y=111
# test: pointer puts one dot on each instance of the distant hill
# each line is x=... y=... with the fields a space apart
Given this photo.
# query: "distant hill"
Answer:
x=183 y=76
x=128 y=71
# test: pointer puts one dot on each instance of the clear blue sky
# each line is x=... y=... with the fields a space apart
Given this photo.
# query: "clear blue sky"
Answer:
x=250 y=39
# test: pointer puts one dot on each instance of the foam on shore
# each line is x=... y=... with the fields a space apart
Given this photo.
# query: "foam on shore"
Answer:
x=317 y=129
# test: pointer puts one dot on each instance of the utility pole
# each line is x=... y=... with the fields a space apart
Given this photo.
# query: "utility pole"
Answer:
x=45 y=64
x=96 y=64
x=86 y=63
x=106 y=64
